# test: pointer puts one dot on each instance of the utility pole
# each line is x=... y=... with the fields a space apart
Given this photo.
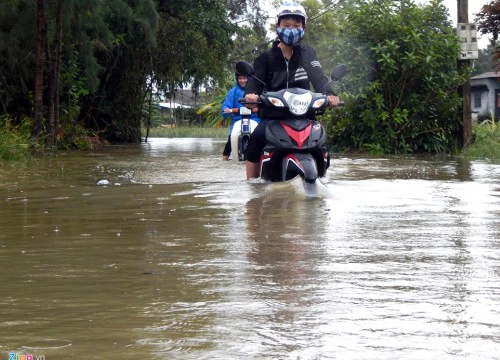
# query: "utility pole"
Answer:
x=463 y=18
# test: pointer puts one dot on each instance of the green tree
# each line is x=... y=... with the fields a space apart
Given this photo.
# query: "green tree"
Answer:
x=488 y=22
x=485 y=61
x=41 y=30
x=324 y=28
x=402 y=80
x=17 y=60
x=200 y=41
x=98 y=61
x=68 y=32
x=114 y=108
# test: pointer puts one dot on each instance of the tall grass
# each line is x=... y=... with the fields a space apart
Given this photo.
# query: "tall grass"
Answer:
x=185 y=131
x=486 y=141
x=15 y=142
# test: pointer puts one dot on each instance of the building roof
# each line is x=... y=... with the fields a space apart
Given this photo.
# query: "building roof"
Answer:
x=174 y=104
x=181 y=98
x=486 y=75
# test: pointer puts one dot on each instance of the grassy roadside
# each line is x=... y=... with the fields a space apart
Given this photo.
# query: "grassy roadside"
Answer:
x=185 y=131
x=14 y=144
x=485 y=142
x=486 y=138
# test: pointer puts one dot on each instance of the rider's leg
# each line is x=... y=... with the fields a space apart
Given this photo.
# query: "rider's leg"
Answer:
x=255 y=145
x=252 y=170
x=227 y=149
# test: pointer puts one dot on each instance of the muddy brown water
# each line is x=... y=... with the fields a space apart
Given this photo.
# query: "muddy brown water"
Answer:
x=178 y=257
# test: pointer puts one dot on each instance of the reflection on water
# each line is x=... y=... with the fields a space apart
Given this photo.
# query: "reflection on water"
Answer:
x=180 y=258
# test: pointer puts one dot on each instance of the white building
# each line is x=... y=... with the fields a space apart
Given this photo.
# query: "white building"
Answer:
x=485 y=95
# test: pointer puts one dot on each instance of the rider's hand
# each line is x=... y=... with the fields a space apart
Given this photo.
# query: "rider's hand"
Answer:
x=227 y=110
x=251 y=98
x=333 y=101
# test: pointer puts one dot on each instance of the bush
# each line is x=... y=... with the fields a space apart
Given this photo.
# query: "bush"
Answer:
x=402 y=78
x=15 y=142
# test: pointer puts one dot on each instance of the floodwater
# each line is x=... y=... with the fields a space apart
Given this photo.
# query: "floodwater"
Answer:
x=163 y=251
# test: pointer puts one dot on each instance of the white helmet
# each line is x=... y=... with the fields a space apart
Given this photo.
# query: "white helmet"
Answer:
x=292 y=8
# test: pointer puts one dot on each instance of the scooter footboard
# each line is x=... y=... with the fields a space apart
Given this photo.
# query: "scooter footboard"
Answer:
x=239 y=139
x=301 y=164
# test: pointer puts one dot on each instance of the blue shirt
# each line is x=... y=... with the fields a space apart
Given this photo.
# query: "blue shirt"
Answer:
x=231 y=101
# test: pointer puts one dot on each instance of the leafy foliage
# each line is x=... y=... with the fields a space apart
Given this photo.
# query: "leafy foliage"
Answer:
x=114 y=110
x=16 y=58
x=212 y=110
x=400 y=92
x=403 y=78
x=485 y=61
x=111 y=54
x=488 y=22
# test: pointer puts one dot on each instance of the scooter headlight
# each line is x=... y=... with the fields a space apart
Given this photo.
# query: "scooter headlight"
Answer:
x=298 y=103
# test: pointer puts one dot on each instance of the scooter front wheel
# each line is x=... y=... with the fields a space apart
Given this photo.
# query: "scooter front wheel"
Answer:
x=302 y=164
x=242 y=146
x=311 y=188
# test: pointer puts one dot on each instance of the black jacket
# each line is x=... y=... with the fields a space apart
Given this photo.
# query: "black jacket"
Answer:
x=300 y=71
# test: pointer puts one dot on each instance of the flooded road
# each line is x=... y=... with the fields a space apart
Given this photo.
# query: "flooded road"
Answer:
x=163 y=251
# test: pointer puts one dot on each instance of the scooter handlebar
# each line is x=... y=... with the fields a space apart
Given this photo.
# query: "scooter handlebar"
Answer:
x=245 y=102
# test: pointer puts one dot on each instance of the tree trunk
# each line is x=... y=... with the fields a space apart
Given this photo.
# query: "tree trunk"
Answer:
x=49 y=121
x=55 y=51
x=38 y=91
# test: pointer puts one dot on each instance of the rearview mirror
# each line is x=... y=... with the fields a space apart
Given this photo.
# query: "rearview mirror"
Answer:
x=244 y=68
x=339 y=72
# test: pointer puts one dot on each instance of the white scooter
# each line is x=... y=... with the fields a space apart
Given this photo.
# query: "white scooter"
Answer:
x=241 y=132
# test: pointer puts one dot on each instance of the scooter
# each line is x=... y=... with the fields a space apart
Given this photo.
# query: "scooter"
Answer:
x=241 y=132
x=296 y=145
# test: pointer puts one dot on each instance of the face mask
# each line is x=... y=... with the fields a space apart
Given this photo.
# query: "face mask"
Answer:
x=290 y=36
